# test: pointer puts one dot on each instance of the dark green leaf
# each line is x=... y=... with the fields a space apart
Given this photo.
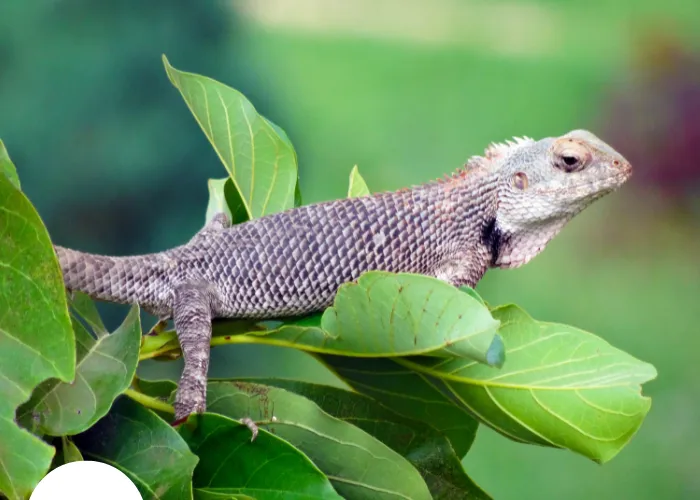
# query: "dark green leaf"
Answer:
x=36 y=338
x=203 y=494
x=266 y=469
x=261 y=163
x=385 y=314
x=144 y=447
x=427 y=449
x=410 y=394
x=224 y=197
x=160 y=389
x=7 y=167
x=358 y=186
x=104 y=370
x=297 y=196
x=560 y=387
x=358 y=465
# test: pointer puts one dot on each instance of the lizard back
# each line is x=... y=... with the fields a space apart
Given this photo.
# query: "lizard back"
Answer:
x=293 y=262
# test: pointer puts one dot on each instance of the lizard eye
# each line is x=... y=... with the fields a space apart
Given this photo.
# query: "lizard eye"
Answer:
x=572 y=157
x=520 y=181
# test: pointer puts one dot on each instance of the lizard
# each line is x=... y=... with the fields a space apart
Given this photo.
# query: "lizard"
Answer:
x=497 y=211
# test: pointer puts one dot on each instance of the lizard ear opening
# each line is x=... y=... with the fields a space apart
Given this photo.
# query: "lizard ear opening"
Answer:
x=520 y=181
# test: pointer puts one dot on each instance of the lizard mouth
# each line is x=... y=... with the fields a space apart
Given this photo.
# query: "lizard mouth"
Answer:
x=596 y=187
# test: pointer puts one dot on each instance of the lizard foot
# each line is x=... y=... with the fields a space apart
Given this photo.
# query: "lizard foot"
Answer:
x=252 y=426
x=183 y=409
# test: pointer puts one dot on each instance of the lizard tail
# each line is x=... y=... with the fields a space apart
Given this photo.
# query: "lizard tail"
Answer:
x=127 y=280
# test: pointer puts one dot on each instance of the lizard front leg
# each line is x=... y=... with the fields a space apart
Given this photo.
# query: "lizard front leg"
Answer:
x=461 y=271
x=192 y=313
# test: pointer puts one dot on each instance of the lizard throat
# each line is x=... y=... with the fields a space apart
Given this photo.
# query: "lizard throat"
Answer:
x=494 y=239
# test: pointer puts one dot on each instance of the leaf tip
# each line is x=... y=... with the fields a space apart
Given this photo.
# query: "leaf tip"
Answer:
x=496 y=353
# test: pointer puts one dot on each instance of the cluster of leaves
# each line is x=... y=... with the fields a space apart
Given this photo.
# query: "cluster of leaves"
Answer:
x=424 y=364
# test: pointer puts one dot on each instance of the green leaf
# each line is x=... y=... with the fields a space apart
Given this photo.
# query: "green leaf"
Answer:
x=104 y=370
x=260 y=161
x=472 y=293
x=358 y=465
x=7 y=167
x=36 y=338
x=202 y=494
x=297 y=196
x=224 y=197
x=163 y=390
x=144 y=447
x=266 y=469
x=408 y=393
x=560 y=387
x=427 y=449
x=84 y=307
x=283 y=136
x=385 y=314
x=71 y=453
x=357 y=187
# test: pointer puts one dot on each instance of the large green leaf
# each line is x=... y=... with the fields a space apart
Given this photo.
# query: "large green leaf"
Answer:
x=427 y=449
x=144 y=447
x=357 y=186
x=104 y=370
x=267 y=469
x=358 y=465
x=7 y=167
x=386 y=314
x=410 y=394
x=36 y=338
x=260 y=161
x=560 y=387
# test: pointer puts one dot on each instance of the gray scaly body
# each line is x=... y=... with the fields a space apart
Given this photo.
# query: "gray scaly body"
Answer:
x=499 y=211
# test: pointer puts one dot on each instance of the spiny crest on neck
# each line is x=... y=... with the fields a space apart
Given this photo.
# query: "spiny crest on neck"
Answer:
x=487 y=162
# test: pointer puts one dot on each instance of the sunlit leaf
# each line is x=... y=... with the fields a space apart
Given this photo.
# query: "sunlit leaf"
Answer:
x=7 y=167
x=104 y=370
x=357 y=186
x=385 y=314
x=36 y=338
x=260 y=161
x=560 y=387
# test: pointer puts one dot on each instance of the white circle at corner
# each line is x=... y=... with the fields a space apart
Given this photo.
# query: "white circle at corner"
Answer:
x=86 y=481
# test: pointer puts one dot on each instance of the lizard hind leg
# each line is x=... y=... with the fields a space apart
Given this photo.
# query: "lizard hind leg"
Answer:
x=192 y=313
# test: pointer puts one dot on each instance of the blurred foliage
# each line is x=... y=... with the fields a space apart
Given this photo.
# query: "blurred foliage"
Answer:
x=106 y=152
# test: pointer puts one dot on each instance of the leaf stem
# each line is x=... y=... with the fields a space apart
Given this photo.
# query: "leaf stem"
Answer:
x=149 y=402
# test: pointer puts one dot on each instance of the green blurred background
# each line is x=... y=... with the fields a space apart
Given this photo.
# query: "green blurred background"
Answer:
x=406 y=89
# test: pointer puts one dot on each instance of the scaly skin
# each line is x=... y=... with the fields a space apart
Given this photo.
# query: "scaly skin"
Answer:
x=499 y=211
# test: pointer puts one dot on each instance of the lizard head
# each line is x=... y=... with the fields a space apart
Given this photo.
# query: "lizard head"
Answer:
x=542 y=185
